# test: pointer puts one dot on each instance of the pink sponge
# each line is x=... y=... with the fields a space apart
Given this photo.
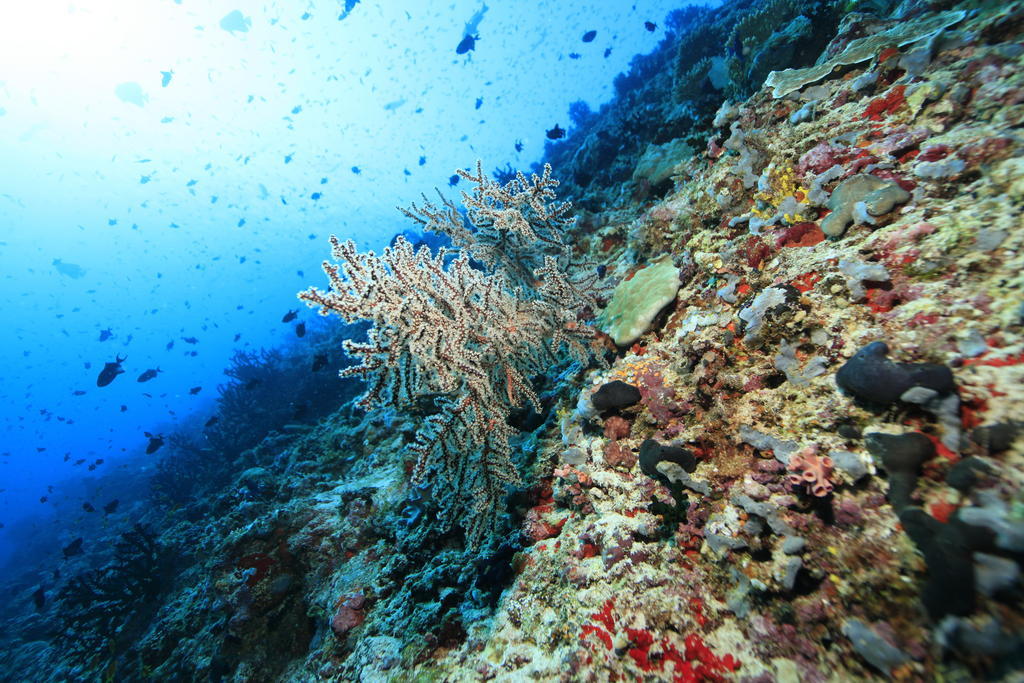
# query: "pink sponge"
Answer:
x=810 y=470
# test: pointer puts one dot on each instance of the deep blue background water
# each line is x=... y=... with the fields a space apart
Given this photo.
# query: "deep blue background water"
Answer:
x=184 y=162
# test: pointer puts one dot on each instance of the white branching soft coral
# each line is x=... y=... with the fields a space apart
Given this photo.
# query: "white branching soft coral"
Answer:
x=470 y=339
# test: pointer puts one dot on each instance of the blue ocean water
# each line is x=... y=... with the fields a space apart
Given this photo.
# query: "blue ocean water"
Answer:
x=170 y=171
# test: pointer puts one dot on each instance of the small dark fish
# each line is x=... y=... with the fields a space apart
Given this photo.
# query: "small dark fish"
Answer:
x=519 y=145
x=194 y=390
x=166 y=78
x=78 y=462
x=88 y=507
x=190 y=340
x=574 y=55
x=99 y=461
x=43 y=499
x=479 y=103
x=650 y=26
x=106 y=334
x=148 y=375
x=555 y=133
x=67 y=456
x=290 y=316
x=72 y=270
x=300 y=330
x=73 y=548
x=255 y=382
x=319 y=362
x=170 y=345
x=468 y=43
x=111 y=507
x=78 y=392
x=453 y=180
x=607 y=51
x=155 y=442
x=602 y=270
x=212 y=421
x=110 y=371
x=124 y=408
x=91 y=467
x=39 y=597
x=589 y=36
x=238 y=335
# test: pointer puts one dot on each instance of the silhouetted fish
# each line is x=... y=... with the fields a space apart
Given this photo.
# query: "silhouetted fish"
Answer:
x=650 y=26
x=110 y=371
x=589 y=36
x=555 y=133
x=39 y=597
x=289 y=316
x=78 y=392
x=111 y=507
x=319 y=361
x=106 y=334
x=212 y=421
x=148 y=375
x=88 y=507
x=73 y=548
x=466 y=44
x=70 y=269
x=300 y=330
x=195 y=390
x=155 y=442
x=190 y=340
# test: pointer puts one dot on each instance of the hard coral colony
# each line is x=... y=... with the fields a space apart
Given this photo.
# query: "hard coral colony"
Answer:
x=747 y=409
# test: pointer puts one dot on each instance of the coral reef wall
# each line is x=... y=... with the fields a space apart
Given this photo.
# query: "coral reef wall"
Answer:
x=802 y=460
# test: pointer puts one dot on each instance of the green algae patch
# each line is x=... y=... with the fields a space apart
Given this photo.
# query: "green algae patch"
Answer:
x=637 y=300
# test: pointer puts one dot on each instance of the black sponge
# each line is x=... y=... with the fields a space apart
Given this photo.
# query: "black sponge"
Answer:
x=615 y=395
x=873 y=378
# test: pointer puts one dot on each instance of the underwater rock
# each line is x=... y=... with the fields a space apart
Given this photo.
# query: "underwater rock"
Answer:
x=659 y=162
x=859 y=199
x=872 y=377
x=770 y=301
x=766 y=442
x=995 y=574
x=875 y=650
x=615 y=395
x=902 y=456
x=849 y=464
x=998 y=518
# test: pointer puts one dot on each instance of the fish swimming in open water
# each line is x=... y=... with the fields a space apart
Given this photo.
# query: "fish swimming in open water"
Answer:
x=148 y=375
x=110 y=371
